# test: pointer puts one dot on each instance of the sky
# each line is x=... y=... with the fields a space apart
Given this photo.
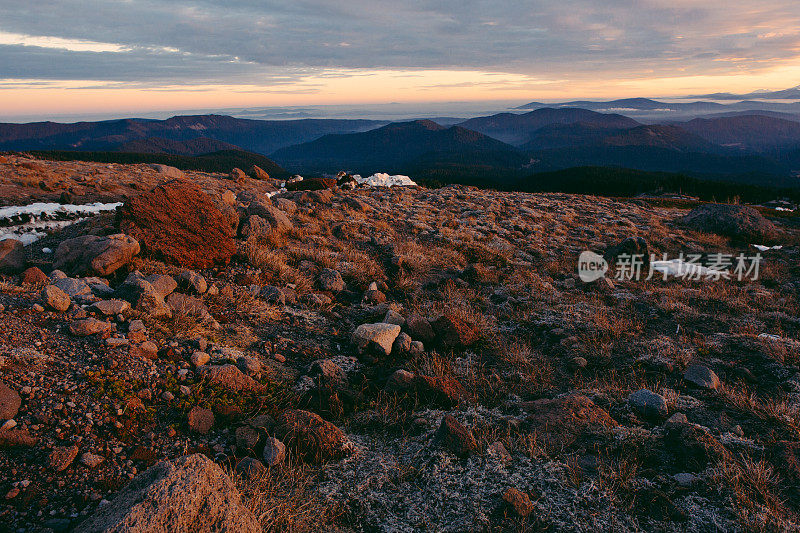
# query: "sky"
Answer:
x=123 y=56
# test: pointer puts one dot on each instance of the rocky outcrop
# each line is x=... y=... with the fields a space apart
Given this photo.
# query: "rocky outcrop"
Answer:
x=178 y=223
x=191 y=493
x=735 y=221
x=94 y=255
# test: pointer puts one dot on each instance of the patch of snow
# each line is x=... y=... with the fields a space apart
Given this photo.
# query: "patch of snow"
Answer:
x=382 y=179
x=29 y=223
x=680 y=268
x=762 y=248
x=783 y=209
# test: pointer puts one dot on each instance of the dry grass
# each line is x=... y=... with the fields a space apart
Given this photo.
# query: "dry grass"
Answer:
x=283 y=499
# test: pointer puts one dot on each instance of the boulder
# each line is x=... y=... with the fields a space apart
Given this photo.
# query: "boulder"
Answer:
x=559 y=420
x=518 y=502
x=192 y=282
x=310 y=437
x=630 y=247
x=274 y=452
x=419 y=328
x=62 y=456
x=237 y=174
x=735 y=221
x=255 y=227
x=190 y=493
x=74 y=287
x=110 y=307
x=55 y=299
x=379 y=335
x=178 y=223
x=12 y=256
x=10 y=402
x=95 y=255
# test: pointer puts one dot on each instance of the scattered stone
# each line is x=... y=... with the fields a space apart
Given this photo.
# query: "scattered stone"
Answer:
x=274 y=452
x=166 y=170
x=62 y=456
x=455 y=437
x=10 y=402
x=379 y=335
x=200 y=420
x=312 y=438
x=56 y=299
x=110 y=307
x=736 y=221
x=34 y=276
x=200 y=358
x=192 y=281
x=237 y=174
x=12 y=256
x=393 y=317
x=648 y=403
x=419 y=328
x=95 y=255
x=75 y=288
x=88 y=326
x=145 y=350
x=518 y=502
x=259 y=173
x=137 y=332
x=231 y=378
x=400 y=380
x=191 y=493
x=402 y=344
x=92 y=460
x=331 y=280
x=164 y=285
x=143 y=296
x=250 y=467
x=702 y=376
x=246 y=439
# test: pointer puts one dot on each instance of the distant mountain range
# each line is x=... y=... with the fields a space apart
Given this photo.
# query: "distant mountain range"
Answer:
x=392 y=147
x=755 y=146
x=260 y=136
x=785 y=94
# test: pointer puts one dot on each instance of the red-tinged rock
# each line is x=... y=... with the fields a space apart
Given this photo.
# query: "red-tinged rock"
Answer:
x=312 y=438
x=180 y=224
x=455 y=437
x=34 y=276
x=201 y=420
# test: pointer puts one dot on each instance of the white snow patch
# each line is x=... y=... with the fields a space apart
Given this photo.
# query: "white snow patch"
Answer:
x=29 y=223
x=382 y=179
x=679 y=268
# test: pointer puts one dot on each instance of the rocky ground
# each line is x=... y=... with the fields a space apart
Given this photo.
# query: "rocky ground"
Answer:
x=395 y=359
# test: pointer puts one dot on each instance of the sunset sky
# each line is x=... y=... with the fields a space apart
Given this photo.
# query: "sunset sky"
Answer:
x=123 y=56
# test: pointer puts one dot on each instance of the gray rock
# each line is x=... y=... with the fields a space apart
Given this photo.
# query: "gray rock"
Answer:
x=274 y=452
x=143 y=296
x=168 y=171
x=393 y=317
x=381 y=335
x=94 y=254
x=702 y=376
x=277 y=219
x=192 y=281
x=272 y=295
x=736 y=221
x=191 y=493
x=328 y=373
x=402 y=344
x=331 y=280
x=249 y=364
x=255 y=227
x=163 y=284
x=250 y=467
x=74 y=287
x=648 y=403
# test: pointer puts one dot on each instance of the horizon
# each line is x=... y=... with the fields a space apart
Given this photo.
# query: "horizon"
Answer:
x=70 y=60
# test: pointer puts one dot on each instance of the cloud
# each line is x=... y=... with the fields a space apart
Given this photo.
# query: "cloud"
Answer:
x=206 y=41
